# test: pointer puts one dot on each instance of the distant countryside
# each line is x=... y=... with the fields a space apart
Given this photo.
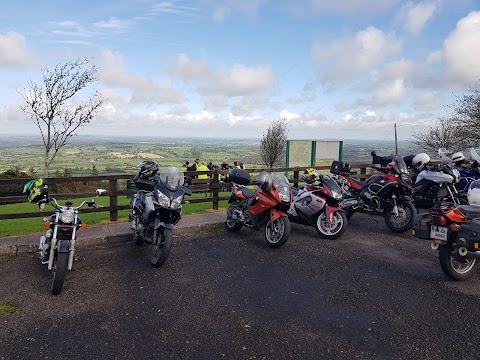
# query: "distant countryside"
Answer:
x=87 y=155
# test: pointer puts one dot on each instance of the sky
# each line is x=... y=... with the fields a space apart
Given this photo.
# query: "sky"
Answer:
x=343 y=69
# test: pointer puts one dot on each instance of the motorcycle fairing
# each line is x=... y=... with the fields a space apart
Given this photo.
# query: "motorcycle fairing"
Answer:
x=330 y=211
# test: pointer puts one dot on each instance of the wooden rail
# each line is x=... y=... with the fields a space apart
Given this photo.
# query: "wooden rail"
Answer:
x=210 y=186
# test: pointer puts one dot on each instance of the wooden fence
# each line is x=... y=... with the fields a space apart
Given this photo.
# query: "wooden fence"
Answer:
x=210 y=186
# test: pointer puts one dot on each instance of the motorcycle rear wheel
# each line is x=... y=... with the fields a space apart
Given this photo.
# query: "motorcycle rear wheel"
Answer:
x=456 y=267
x=405 y=218
x=59 y=272
x=331 y=230
x=277 y=233
x=160 y=248
x=230 y=224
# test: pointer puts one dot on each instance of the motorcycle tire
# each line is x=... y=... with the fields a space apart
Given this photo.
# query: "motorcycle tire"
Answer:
x=160 y=248
x=392 y=221
x=137 y=240
x=456 y=267
x=277 y=233
x=59 y=272
x=328 y=230
x=230 y=224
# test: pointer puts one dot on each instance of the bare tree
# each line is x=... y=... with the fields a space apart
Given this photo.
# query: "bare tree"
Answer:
x=273 y=144
x=442 y=134
x=52 y=108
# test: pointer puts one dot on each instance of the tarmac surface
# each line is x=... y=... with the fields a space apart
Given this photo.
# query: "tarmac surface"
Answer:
x=112 y=233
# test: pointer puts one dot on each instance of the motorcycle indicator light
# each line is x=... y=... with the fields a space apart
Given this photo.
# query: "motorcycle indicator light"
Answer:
x=47 y=224
x=83 y=226
x=455 y=227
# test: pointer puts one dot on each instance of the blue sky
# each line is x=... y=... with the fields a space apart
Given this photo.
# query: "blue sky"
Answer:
x=344 y=69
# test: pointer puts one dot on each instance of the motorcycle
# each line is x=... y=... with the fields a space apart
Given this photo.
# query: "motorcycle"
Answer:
x=436 y=184
x=318 y=203
x=156 y=209
x=454 y=231
x=57 y=246
x=469 y=172
x=266 y=206
x=386 y=192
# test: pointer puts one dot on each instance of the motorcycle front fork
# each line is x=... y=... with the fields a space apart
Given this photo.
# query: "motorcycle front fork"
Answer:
x=395 y=207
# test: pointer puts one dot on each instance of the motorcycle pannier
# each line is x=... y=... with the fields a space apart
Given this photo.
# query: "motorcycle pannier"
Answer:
x=239 y=176
x=339 y=167
x=470 y=232
x=422 y=231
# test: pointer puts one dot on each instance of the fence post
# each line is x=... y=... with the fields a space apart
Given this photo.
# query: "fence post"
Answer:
x=214 y=184
x=295 y=176
x=113 y=199
x=363 y=173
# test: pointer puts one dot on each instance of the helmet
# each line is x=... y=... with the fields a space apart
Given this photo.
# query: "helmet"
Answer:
x=310 y=175
x=36 y=190
x=148 y=168
x=458 y=157
x=420 y=160
x=474 y=193
x=265 y=181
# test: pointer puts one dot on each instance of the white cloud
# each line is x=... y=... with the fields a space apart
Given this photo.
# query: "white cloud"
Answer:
x=354 y=56
x=462 y=50
x=392 y=91
x=284 y=114
x=14 y=52
x=227 y=7
x=114 y=72
x=429 y=100
x=237 y=81
x=416 y=16
x=112 y=24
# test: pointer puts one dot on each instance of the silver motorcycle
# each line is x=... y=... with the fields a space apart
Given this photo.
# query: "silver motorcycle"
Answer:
x=156 y=209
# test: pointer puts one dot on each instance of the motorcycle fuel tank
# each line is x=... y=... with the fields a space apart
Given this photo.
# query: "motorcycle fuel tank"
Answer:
x=438 y=177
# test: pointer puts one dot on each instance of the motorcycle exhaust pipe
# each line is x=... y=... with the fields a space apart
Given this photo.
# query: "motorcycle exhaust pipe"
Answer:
x=475 y=254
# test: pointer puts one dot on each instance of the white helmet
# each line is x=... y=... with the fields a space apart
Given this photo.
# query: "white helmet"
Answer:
x=420 y=160
x=458 y=157
x=474 y=193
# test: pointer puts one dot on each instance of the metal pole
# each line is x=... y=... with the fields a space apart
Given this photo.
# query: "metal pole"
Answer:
x=396 y=142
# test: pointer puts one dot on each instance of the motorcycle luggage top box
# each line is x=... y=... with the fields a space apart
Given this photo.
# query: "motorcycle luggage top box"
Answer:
x=339 y=167
x=239 y=176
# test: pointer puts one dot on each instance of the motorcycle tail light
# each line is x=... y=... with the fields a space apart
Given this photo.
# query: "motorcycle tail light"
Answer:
x=424 y=223
x=438 y=220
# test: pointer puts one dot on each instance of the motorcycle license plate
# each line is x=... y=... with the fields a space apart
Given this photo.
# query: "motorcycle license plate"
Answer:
x=438 y=232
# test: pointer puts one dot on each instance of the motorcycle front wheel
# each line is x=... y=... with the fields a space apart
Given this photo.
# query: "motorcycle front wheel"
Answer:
x=277 y=232
x=231 y=224
x=161 y=246
x=331 y=230
x=404 y=220
x=455 y=266
x=59 y=272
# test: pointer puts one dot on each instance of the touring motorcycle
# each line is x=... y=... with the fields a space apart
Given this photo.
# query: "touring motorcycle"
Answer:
x=454 y=231
x=386 y=192
x=57 y=246
x=157 y=208
x=436 y=184
x=318 y=203
x=266 y=206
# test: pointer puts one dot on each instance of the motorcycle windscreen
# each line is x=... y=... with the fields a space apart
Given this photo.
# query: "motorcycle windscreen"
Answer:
x=333 y=186
x=172 y=177
x=283 y=186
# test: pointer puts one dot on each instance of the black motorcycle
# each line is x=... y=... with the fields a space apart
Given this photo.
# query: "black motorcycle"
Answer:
x=156 y=209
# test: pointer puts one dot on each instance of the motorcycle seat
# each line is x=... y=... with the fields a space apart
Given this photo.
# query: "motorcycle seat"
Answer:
x=469 y=211
x=357 y=184
x=248 y=193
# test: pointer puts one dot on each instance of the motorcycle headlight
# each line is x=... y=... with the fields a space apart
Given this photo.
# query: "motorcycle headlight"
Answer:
x=163 y=200
x=177 y=202
x=405 y=177
x=67 y=216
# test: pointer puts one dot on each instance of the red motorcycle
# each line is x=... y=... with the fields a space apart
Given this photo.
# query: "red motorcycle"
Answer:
x=387 y=192
x=266 y=206
x=455 y=232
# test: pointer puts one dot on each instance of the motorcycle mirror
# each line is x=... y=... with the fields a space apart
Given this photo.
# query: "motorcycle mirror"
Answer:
x=373 y=153
x=101 y=191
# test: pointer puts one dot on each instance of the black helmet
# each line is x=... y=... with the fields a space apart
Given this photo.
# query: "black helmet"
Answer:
x=148 y=168
x=265 y=181
x=36 y=190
